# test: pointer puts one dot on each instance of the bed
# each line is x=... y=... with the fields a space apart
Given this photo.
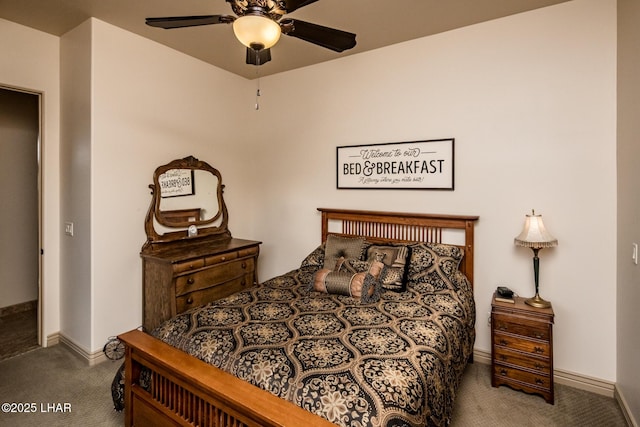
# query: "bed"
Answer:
x=287 y=353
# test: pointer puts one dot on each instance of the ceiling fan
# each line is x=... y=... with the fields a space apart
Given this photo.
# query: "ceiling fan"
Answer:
x=259 y=25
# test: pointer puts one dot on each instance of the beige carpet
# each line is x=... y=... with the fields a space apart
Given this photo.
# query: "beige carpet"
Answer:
x=56 y=376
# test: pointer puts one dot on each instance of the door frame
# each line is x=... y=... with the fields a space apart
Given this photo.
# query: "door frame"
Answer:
x=39 y=151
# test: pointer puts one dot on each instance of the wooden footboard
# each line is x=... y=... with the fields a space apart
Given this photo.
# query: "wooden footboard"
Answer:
x=184 y=391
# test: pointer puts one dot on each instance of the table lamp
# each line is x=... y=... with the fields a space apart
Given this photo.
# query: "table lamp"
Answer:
x=536 y=237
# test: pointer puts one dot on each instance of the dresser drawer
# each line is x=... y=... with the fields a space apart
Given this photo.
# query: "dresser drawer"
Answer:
x=504 y=355
x=230 y=256
x=524 y=327
x=217 y=259
x=539 y=348
x=537 y=380
x=194 y=264
x=204 y=296
x=215 y=274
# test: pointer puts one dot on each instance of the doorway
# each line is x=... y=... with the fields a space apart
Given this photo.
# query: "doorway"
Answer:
x=19 y=221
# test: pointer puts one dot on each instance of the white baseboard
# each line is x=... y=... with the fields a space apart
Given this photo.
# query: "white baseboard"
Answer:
x=92 y=359
x=53 y=339
x=631 y=421
x=579 y=381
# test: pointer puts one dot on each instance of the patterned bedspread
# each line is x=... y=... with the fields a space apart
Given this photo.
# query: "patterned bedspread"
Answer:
x=396 y=362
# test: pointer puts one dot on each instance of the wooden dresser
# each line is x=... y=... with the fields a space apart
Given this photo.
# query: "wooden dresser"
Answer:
x=177 y=278
x=522 y=347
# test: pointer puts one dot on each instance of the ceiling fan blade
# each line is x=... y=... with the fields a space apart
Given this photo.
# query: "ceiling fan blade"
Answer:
x=258 y=57
x=336 y=40
x=292 y=5
x=170 y=22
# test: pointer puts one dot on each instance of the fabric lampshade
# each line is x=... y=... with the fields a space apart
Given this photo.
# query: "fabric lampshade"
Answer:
x=534 y=234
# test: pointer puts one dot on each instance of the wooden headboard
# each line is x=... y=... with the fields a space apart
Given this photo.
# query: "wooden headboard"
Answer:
x=386 y=227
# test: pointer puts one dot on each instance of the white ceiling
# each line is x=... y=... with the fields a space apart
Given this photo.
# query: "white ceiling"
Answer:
x=377 y=23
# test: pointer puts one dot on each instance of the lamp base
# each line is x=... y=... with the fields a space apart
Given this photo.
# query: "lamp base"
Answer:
x=537 y=302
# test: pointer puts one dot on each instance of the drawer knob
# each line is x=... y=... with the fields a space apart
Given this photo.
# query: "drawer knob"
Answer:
x=503 y=327
x=538 y=350
x=537 y=335
x=503 y=372
x=539 y=381
x=190 y=300
x=190 y=281
x=191 y=266
x=503 y=357
x=503 y=342
x=244 y=265
x=244 y=282
x=538 y=366
x=223 y=258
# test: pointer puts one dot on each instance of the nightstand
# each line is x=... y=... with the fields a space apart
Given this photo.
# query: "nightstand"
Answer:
x=522 y=347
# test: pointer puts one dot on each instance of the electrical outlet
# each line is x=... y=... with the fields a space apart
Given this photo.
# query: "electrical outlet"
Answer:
x=68 y=228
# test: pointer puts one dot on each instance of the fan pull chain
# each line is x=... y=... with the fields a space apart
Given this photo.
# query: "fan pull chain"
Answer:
x=257 y=107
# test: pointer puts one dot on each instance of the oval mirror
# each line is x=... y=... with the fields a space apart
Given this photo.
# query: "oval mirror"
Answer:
x=187 y=202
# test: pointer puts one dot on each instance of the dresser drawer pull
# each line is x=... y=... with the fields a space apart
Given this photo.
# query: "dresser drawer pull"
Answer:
x=503 y=357
x=538 y=366
x=223 y=258
x=538 y=335
x=244 y=265
x=503 y=327
x=190 y=281
x=503 y=372
x=190 y=300
x=503 y=342
x=538 y=350
x=244 y=282
x=539 y=381
x=191 y=266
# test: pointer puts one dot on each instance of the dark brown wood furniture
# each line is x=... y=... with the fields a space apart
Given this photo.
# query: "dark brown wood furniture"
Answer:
x=185 y=391
x=522 y=347
x=175 y=280
x=182 y=270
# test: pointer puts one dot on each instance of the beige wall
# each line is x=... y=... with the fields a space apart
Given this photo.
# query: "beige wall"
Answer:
x=149 y=105
x=75 y=185
x=31 y=60
x=530 y=100
x=628 y=315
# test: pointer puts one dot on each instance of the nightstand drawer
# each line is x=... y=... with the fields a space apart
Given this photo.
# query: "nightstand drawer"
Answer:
x=539 y=348
x=504 y=355
x=524 y=327
x=537 y=380
x=214 y=292
x=214 y=275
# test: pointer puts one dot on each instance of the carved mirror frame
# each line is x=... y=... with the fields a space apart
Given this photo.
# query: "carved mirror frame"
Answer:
x=184 y=220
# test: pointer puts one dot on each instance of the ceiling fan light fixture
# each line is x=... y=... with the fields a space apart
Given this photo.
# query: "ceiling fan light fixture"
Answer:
x=256 y=31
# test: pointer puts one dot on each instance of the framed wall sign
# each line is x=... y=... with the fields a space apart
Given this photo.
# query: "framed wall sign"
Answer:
x=417 y=165
x=176 y=182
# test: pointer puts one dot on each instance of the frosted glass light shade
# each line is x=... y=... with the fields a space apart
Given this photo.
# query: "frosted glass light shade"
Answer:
x=254 y=30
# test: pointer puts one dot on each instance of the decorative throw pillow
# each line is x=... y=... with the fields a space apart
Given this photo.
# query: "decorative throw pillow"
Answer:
x=359 y=285
x=345 y=247
x=395 y=258
x=434 y=265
